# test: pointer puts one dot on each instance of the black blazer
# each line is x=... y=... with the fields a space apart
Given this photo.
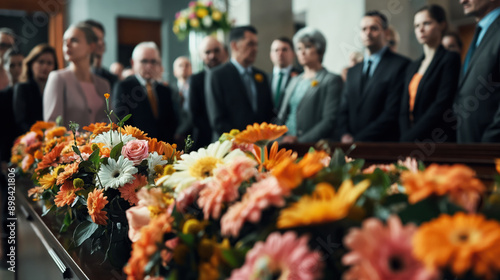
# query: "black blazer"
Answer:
x=27 y=104
x=372 y=115
x=227 y=100
x=202 y=131
x=130 y=97
x=435 y=95
x=477 y=105
x=293 y=73
x=108 y=76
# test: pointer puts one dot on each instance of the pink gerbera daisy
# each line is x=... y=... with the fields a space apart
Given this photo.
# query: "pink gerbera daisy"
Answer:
x=369 y=260
x=280 y=257
x=129 y=190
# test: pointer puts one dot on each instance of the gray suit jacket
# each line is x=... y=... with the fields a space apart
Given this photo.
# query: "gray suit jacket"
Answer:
x=318 y=110
x=477 y=105
x=63 y=96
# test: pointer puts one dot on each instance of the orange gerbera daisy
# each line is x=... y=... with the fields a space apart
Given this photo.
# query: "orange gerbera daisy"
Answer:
x=455 y=181
x=40 y=126
x=288 y=173
x=66 y=194
x=31 y=149
x=69 y=170
x=163 y=148
x=56 y=131
x=36 y=192
x=146 y=246
x=461 y=242
x=134 y=132
x=51 y=158
x=260 y=134
x=95 y=203
x=274 y=157
x=323 y=206
x=100 y=127
x=313 y=162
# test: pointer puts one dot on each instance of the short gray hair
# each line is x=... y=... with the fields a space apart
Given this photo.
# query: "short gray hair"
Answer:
x=309 y=35
x=143 y=45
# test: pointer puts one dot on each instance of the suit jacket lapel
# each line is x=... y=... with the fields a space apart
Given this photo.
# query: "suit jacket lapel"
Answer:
x=430 y=71
x=490 y=34
x=286 y=98
x=383 y=64
x=313 y=89
x=236 y=77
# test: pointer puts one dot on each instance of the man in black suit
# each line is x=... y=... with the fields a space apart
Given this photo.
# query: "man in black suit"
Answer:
x=282 y=55
x=477 y=105
x=149 y=102
x=97 y=68
x=239 y=94
x=372 y=92
x=211 y=52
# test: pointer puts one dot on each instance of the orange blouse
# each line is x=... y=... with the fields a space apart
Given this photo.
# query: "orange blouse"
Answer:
x=413 y=87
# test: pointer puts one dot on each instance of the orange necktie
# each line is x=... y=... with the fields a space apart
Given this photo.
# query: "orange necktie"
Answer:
x=152 y=99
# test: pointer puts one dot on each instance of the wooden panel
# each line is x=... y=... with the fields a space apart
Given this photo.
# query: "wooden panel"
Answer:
x=466 y=33
x=56 y=33
x=133 y=31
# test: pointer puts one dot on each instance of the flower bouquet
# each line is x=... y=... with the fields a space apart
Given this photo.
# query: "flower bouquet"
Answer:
x=240 y=209
x=90 y=178
x=200 y=16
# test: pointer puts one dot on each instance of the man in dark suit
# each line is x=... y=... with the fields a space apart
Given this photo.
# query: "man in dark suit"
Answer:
x=211 y=52
x=282 y=55
x=477 y=105
x=239 y=94
x=372 y=92
x=97 y=68
x=149 y=102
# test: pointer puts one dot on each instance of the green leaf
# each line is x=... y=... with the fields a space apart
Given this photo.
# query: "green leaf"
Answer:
x=234 y=258
x=338 y=158
x=76 y=150
x=47 y=211
x=126 y=118
x=83 y=231
x=153 y=261
x=68 y=220
x=188 y=239
x=116 y=151
x=94 y=158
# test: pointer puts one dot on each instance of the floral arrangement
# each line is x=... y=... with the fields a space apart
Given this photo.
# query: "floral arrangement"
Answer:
x=90 y=178
x=200 y=16
x=240 y=209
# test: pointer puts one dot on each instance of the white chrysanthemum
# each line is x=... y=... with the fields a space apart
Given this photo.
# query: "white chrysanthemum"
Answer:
x=207 y=21
x=107 y=136
x=116 y=173
x=199 y=165
x=155 y=159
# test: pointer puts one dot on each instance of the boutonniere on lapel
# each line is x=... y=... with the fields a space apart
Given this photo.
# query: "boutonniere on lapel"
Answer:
x=314 y=83
x=258 y=77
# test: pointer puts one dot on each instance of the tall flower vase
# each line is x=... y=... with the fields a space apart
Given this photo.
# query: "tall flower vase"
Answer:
x=195 y=38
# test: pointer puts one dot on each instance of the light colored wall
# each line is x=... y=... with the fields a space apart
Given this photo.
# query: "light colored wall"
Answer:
x=239 y=12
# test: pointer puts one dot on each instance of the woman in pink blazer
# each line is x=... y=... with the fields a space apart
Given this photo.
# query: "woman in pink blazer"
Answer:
x=74 y=93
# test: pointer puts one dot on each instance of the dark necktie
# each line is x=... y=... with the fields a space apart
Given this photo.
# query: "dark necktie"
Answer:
x=277 y=97
x=247 y=79
x=366 y=75
x=472 y=47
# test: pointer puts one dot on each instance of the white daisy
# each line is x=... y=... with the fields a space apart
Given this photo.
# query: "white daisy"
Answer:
x=107 y=136
x=116 y=173
x=155 y=159
x=207 y=21
x=199 y=165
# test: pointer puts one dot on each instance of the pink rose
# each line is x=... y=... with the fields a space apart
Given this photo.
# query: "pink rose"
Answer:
x=138 y=217
x=210 y=3
x=177 y=15
x=136 y=151
x=192 y=4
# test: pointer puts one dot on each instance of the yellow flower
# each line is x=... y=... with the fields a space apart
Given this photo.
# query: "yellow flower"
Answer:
x=323 y=206
x=216 y=15
x=314 y=83
x=201 y=13
x=175 y=29
x=195 y=23
x=259 y=78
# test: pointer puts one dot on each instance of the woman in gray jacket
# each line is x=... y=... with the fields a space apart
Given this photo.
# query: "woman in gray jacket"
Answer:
x=312 y=99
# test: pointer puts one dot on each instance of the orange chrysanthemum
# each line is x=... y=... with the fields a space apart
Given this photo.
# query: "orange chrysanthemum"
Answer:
x=313 y=162
x=56 y=131
x=100 y=127
x=461 y=242
x=323 y=206
x=288 y=173
x=31 y=149
x=51 y=158
x=134 y=132
x=69 y=170
x=257 y=134
x=95 y=203
x=40 y=126
x=38 y=155
x=162 y=148
x=274 y=157
x=47 y=181
x=146 y=246
x=66 y=194
x=457 y=180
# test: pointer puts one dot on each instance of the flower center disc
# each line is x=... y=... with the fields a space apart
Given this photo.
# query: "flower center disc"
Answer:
x=204 y=167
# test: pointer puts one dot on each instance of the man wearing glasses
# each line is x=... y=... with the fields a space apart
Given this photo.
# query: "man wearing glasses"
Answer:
x=149 y=102
x=6 y=43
